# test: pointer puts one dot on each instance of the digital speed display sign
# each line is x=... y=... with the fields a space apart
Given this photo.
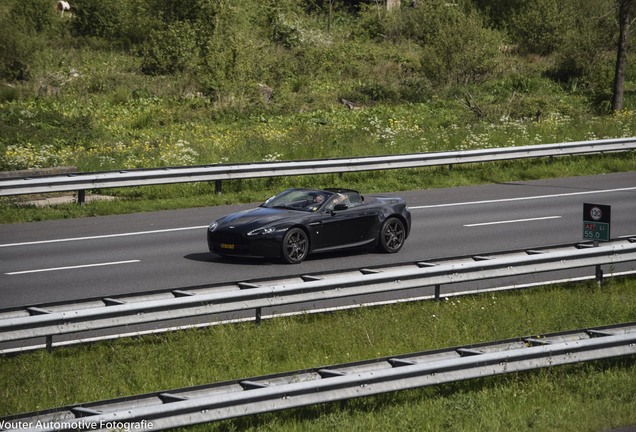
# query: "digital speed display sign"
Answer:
x=596 y=222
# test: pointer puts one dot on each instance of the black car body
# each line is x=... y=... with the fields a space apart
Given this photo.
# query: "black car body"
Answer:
x=297 y=222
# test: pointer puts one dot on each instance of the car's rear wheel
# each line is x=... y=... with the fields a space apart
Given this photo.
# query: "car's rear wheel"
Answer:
x=392 y=235
x=295 y=246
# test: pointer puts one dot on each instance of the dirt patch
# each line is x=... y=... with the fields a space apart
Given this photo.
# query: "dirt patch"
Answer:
x=45 y=201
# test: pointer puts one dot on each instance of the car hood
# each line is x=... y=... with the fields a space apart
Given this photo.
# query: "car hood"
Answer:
x=258 y=217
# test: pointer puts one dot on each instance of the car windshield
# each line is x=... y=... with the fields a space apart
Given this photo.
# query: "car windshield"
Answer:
x=298 y=199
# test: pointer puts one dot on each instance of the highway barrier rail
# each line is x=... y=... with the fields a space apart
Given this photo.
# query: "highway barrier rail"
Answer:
x=169 y=175
x=224 y=400
x=118 y=313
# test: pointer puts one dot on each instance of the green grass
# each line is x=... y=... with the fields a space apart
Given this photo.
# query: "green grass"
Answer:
x=585 y=397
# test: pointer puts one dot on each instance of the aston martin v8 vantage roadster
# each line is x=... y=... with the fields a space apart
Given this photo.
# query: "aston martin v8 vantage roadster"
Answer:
x=298 y=222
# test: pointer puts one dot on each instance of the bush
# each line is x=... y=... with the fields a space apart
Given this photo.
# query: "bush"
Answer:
x=17 y=52
x=540 y=25
x=455 y=45
x=9 y=94
x=23 y=32
x=585 y=59
x=462 y=57
x=123 y=23
x=170 y=50
x=36 y=15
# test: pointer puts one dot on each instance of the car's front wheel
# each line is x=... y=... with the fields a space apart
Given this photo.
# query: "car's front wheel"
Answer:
x=392 y=235
x=295 y=246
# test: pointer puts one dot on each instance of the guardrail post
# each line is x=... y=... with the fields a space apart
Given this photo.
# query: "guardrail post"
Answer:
x=438 y=289
x=599 y=276
x=49 y=343
x=598 y=271
x=218 y=187
x=258 y=316
x=81 y=196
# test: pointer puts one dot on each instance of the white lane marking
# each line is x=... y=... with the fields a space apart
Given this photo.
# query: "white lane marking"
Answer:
x=410 y=207
x=513 y=221
x=523 y=198
x=102 y=236
x=72 y=267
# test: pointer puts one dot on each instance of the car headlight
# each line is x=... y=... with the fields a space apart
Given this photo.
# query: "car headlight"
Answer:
x=264 y=231
x=214 y=225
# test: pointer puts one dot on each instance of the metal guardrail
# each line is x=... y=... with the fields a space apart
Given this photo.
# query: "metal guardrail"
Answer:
x=214 y=402
x=181 y=304
x=170 y=175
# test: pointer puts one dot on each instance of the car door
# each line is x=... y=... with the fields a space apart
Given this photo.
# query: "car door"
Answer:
x=349 y=226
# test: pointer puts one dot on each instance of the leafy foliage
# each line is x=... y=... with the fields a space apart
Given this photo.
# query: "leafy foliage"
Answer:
x=455 y=46
x=227 y=47
x=115 y=83
x=19 y=31
x=119 y=22
x=171 y=49
x=540 y=26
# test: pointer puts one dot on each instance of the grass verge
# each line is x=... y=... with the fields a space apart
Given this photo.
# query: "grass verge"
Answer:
x=585 y=397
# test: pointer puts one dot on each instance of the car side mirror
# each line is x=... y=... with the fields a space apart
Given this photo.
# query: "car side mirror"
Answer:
x=339 y=207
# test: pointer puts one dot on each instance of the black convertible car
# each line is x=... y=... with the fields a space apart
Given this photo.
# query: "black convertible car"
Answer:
x=297 y=222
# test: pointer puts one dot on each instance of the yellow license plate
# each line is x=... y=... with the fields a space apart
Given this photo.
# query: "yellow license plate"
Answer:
x=227 y=246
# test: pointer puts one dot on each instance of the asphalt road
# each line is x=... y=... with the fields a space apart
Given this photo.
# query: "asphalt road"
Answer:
x=45 y=262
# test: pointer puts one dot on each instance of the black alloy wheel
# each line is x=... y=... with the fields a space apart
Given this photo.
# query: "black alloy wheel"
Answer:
x=295 y=246
x=392 y=235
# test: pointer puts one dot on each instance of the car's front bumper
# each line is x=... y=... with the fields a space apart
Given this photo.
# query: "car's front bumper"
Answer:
x=237 y=245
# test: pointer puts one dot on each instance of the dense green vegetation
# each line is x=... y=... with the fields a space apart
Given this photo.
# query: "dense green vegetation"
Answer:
x=587 y=397
x=118 y=85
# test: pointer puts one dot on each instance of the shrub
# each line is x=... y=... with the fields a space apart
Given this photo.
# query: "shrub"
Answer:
x=286 y=31
x=122 y=23
x=17 y=53
x=462 y=57
x=456 y=47
x=582 y=55
x=539 y=26
x=23 y=32
x=9 y=94
x=170 y=50
x=36 y=15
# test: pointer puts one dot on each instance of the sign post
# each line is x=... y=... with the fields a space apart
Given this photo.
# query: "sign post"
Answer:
x=596 y=227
